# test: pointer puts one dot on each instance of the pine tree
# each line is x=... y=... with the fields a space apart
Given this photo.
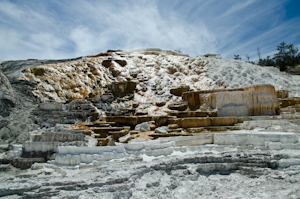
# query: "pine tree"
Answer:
x=237 y=57
x=281 y=56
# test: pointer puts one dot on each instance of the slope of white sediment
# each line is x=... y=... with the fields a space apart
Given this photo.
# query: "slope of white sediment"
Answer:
x=235 y=74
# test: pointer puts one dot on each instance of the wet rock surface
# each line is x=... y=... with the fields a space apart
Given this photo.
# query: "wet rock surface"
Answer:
x=243 y=174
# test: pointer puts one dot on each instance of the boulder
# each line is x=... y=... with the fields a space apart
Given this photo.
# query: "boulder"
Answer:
x=107 y=97
x=152 y=125
x=179 y=106
x=120 y=89
x=96 y=115
x=162 y=129
x=173 y=126
x=142 y=127
x=126 y=138
x=179 y=90
x=282 y=93
x=39 y=70
x=115 y=69
x=195 y=130
x=160 y=104
x=121 y=62
x=106 y=63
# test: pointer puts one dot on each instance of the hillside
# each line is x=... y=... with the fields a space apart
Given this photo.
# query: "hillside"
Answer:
x=136 y=82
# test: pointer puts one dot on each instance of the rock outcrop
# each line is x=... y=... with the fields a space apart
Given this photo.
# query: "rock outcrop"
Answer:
x=8 y=98
x=253 y=100
x=179 y=90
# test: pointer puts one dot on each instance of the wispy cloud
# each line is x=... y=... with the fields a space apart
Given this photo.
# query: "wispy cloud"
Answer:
x=61 y=29
x=136 y=25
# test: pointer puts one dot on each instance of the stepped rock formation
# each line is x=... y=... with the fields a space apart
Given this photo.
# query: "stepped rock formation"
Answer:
x=252 y=100
x=148 y=123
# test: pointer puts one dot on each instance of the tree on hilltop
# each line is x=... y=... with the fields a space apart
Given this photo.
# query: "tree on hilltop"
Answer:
x=260 y=60
x=237 y=57
x=248 y=57
x=287 y=55
x=267 y=62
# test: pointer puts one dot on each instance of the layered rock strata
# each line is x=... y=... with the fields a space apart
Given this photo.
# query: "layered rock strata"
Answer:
x=253 y=100
x=166 y=146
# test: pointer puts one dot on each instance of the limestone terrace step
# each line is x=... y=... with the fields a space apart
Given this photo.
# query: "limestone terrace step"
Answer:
x=100 y=130
x=183 y=114
x=223 y=128
x=203 y=121
x=254 y=138
x=134 y=120
x=289 y=101
x=100 y=124
x=171 y=134
x=263 y=117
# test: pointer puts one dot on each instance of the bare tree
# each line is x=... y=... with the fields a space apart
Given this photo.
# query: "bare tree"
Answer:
x=248 y=57
x=259 y=57
x=178 y=50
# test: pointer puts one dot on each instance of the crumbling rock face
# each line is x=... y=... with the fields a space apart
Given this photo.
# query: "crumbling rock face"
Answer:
x=8 y=99
x=120 y=89
x=15 y=128
x=17 y=101
x=51 y=113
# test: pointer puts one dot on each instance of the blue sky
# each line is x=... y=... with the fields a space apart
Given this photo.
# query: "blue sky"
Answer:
x=55 y=29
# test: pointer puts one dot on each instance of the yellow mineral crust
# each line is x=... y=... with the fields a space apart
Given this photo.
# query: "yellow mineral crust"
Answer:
x=153 y=75
x=64 y=82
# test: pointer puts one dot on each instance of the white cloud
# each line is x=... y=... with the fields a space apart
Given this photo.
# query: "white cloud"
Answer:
x=10 y=11
x=138 y=25
x=86 y=41
x=57 y=29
